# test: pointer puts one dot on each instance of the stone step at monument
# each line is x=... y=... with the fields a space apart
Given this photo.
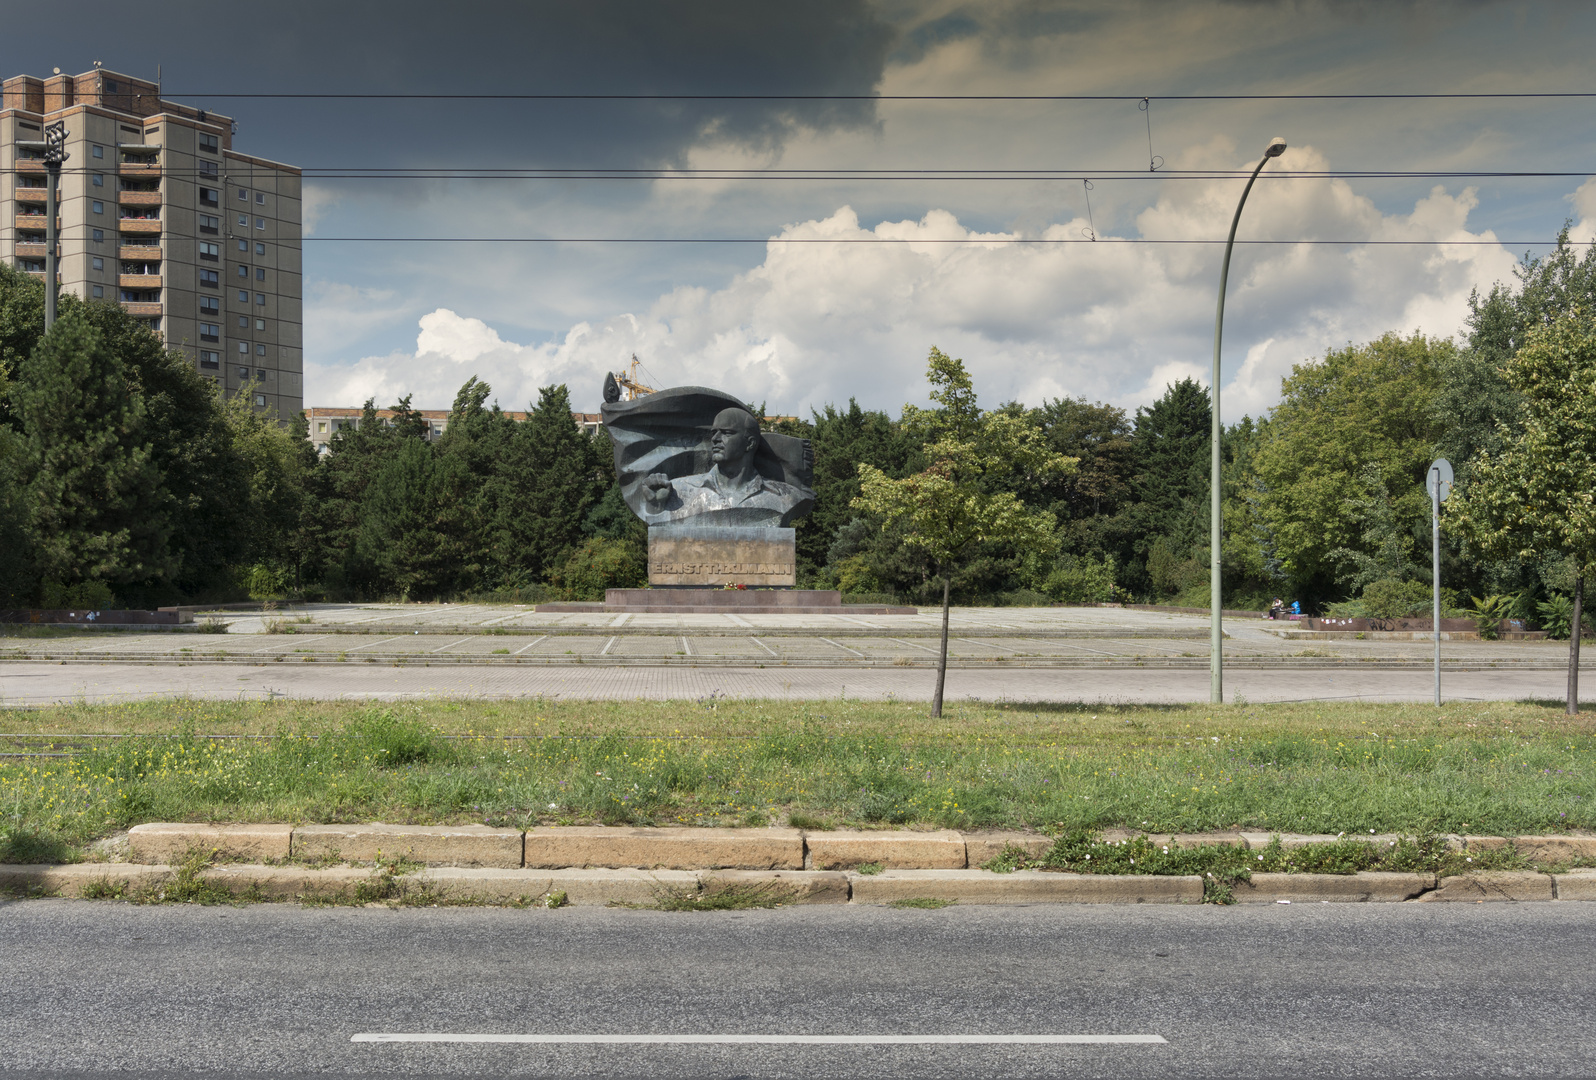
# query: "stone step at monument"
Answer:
x=679 y=601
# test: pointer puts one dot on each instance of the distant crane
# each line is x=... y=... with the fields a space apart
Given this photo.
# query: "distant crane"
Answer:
x=627 y=378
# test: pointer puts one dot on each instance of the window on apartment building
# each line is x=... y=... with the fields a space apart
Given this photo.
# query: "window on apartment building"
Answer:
x=99 y=179
x=99 y=207
x=260 y=223
x=210 y=359
x=243 y=271
x=99 y=292
x=243 y=195
x=208 y=170
x=141 y=296
x=243 y=322
x=33 y=266
x=260 y=249
x=243 y=221
x=260 y=373
x=97 y=235
x=260 y=350
x=99 y=151
x=209 y=305
x=210 y=279
x=210 y=252
x=209 y=196
x=260 y=299
x=260 y=198
x=209 y=143
x=243 y=296
x=260 y=273
x=243 y=348
x=260 y=400
x=321 y=429
x=260 y=324
x=97 y=262
x=243 y=245
x=209 y=224
x=243 y=373
x=210 y=332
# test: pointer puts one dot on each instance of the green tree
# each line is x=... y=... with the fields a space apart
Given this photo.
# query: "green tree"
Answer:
x=355 y=455
x=1538 y=495
x=278 y=461
x=1361 y=406
x=842 y=440
x=97 y=509
x=407 y=524
x=949 y=508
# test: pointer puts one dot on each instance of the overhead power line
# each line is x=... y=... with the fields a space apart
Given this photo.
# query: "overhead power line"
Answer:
x=1138 y=98
x=969 y=240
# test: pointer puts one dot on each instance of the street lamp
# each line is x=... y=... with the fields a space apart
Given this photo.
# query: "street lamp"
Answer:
x=54 y=154
x=1216 y=657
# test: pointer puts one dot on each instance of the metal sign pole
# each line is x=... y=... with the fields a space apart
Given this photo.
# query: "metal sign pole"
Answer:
x=1439 y=482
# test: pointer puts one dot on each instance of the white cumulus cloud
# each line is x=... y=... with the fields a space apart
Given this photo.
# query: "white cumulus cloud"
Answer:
x=1112 y=320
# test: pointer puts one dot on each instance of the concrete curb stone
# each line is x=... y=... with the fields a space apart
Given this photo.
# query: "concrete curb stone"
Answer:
x=1578 y=885
x=1493 y=885
x=1023 y=887
x=69 y=879
x=168 y=842
x=286 y=882
x=804 y=886
x=845 y=849
x=981 y=848
x=671 y=848
x=434 y=845
x=1538 y=848
x=1364 y=887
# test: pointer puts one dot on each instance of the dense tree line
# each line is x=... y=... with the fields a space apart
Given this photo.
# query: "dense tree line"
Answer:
x=123 y=474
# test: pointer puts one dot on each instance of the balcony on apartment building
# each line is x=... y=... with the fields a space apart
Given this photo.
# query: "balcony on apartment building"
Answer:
x=139 y=161
x=27 y=249
x=138 y=281
x=138 y=252
x=139 y=220
x=141 y=309
x=32 y=195
x=138 y=198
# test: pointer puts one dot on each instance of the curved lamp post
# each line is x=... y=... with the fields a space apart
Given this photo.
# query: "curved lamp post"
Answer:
x=1216 y=656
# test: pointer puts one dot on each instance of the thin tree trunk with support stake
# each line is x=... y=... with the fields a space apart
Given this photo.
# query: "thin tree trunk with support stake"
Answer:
x=942 y=660
x=1574 y=629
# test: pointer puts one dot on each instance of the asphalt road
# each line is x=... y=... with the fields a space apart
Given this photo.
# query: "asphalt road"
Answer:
x=1307 y=990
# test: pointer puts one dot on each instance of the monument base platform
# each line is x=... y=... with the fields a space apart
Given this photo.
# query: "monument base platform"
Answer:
x=679 y=601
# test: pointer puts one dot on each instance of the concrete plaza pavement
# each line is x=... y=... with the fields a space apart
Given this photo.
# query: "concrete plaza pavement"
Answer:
x=1091 y=654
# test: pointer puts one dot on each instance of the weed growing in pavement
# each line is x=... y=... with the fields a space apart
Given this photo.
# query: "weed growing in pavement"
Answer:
x=869 y=869
x=927 y=902
x=1010 y=859
x=808 y=821
x=103 y=889
x=211 y=626
x=556 y=900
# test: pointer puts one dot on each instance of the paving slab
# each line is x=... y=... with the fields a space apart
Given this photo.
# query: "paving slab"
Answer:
x=170 y=841
x=981 y=848
x=1023 y=887
x=70 y=880
x=672 y=848
x=1490 y=885
x=432 y=845
x=1370 y=886
x=844 y=849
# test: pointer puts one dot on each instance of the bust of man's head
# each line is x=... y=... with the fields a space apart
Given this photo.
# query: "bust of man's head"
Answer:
x=734 y=438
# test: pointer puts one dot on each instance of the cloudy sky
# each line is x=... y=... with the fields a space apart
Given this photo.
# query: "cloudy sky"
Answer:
x=825 y=282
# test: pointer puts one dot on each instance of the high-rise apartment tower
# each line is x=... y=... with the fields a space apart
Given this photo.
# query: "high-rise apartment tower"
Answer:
x=159 y=213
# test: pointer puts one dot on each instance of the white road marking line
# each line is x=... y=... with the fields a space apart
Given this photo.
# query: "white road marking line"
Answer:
x=985 y=645
x=912 y=645
x=754 y=1040
x=288 y=644
x=451 y=644
x=390 y=615
x=738 y=620
x=861 y=622
x=524 y=648
x=606 y=650
x=1066 y=645
x=762 y=645
x=686 y=648
x=506 y=618
x=620 y=620
x=369 y=644
x=844 y=648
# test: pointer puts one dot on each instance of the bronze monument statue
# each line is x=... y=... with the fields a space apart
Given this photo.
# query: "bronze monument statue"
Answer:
x=719 y=495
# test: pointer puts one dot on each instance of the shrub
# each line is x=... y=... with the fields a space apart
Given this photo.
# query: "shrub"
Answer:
x=597 y=565
x=1080 y=579
x=1392 y=599
x=80 y=594
x=1488 y=612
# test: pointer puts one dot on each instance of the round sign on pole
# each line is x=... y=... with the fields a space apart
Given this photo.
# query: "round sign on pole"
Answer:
x=1440 y=472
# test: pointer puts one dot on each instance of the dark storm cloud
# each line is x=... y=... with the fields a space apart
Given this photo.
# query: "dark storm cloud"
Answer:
x=597 y=46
